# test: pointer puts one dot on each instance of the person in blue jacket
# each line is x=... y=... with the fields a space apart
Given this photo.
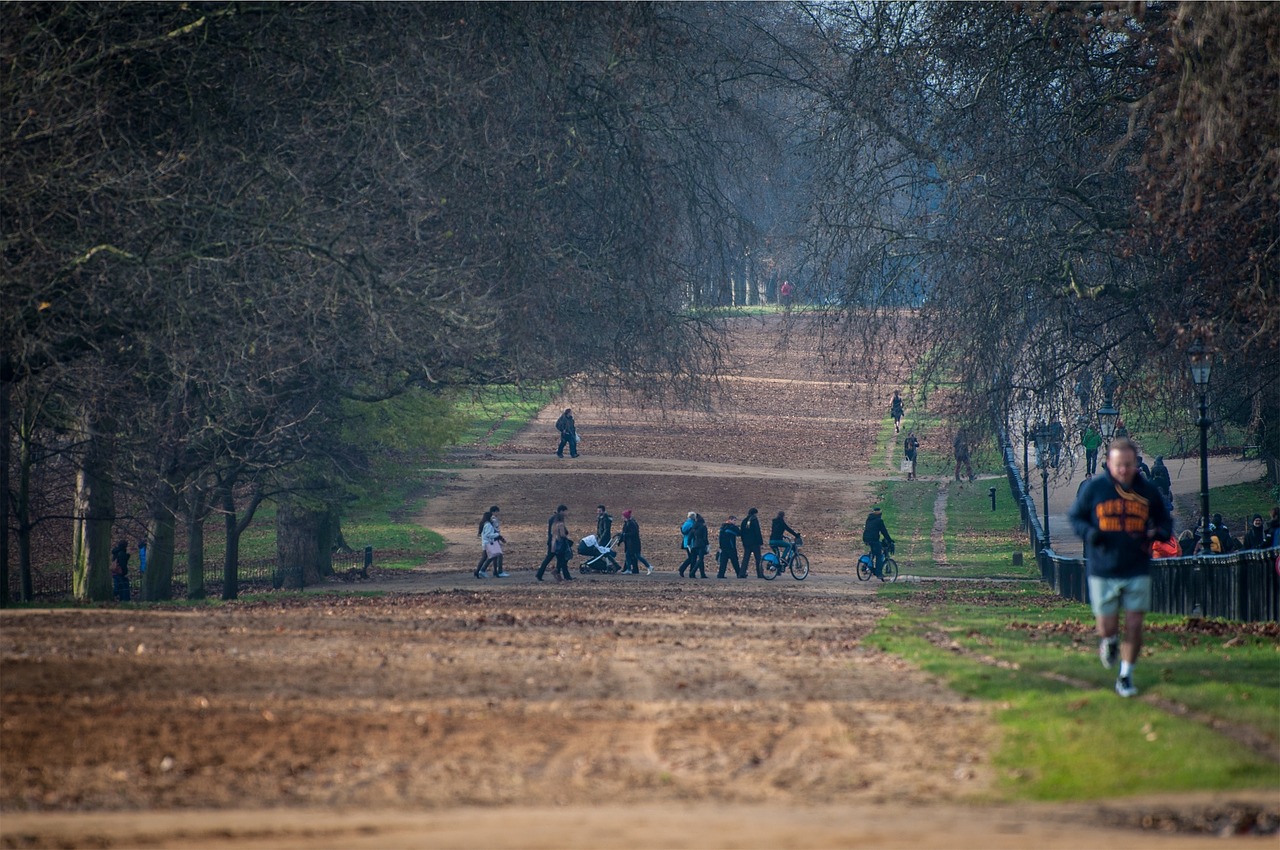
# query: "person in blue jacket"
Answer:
x=1119 y=513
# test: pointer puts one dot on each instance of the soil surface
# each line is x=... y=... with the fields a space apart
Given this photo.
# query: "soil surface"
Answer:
x=608 y=712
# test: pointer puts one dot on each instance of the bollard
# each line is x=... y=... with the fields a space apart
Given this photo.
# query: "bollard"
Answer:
x=991 y=491
x=368 y=557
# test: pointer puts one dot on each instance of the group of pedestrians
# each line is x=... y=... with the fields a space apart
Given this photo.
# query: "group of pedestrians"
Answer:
x=694 y=542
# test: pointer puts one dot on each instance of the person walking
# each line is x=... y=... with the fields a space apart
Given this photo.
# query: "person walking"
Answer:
x=686 y=540
x=701 y=545
x=876 y=535
x=491 y=541
x=896 y=411
x=631 y=543
x=604 y=526
x=752 y=542
x=1091 y=441
x=120 y=571
x=561 y=511
x=568 y=433
x=961 y=447
x=729 y=534
x=561 y=549
x=909 y=448
x=1119 y=514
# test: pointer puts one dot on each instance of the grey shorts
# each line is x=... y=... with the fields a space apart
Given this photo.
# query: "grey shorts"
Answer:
x=1109 y=595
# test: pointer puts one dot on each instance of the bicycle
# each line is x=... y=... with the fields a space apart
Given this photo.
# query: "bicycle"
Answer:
x=791 y=559
x=865 y=564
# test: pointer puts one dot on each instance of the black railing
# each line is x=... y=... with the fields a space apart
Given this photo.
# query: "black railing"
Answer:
x=1241 y=586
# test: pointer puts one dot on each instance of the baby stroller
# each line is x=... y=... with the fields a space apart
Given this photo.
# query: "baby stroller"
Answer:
x=600 y=557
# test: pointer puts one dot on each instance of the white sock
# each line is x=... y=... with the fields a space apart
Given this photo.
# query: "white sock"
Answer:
x=1126 y=668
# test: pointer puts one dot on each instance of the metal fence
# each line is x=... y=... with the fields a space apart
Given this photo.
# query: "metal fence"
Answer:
x=1241 y=586
x=51 y=583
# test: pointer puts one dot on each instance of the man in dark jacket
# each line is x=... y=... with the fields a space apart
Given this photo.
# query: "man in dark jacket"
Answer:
x=752 y=542
x=729 y=533
x=872 y=533
x=551 y=521
x=568 y=433
x=604 y=526
x=1119 y=513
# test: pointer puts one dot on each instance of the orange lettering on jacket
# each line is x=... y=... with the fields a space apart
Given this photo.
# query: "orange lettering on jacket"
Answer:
x=1129 y=513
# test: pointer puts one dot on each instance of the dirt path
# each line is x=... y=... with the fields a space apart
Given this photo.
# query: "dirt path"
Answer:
x=643 y=711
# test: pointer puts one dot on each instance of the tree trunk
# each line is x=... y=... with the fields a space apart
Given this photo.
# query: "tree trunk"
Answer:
x=92 y=515
x=158 y=579
x=197 y=511
x=304 y=545
x=23 y=509
x=6 y=379
x=231 y=560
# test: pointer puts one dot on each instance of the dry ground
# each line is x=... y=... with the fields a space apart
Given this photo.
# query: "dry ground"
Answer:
x=615 y=711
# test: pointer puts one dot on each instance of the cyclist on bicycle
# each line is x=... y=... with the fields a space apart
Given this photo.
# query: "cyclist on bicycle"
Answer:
x=778 y=541
x=871 y=534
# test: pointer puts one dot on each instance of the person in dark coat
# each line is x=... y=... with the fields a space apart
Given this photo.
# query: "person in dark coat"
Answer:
x=876 y=535
x=561 y=510
x=698 y=546
x=729 y=534
x=778 y=532
x=568 y=433
x=631 y=543
x=120 y=570
x=896 y=411
x=752 y=542
x=1118 y=514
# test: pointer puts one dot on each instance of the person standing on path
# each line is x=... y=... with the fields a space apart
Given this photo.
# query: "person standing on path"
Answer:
x=631 y=543
x=1119 y=514
x=896 y=411
x=568 y=433
x=120 y=570
x=1091 y=441
x=909 y=448
x=752 y=542
x=561 y=510
x=729 y=533
x=872 y=533
x=701 y=544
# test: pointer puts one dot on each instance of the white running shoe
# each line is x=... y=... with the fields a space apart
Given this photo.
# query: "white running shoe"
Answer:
x=1125 y=688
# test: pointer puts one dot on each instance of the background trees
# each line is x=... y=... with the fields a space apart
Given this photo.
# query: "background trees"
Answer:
x=224 y=223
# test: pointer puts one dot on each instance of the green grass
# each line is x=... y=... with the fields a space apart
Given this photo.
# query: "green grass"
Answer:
x=1062 y=742
x=1237 y=503
x=497 y=413
x=980 y=542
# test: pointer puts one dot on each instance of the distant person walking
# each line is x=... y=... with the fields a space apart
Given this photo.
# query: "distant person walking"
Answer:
x=561 y=549
x=568 y=433
x=909 y=448
x=561 y=511
x=785 y=291
x=120 y=571
x=631 y=543
x=897 y=412
x=1091 y=441
x=729 y=533
x=491 y=541
x=1119 y=514
x=752 y=542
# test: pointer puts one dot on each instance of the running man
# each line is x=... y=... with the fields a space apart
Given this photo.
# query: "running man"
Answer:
x=1119 y=513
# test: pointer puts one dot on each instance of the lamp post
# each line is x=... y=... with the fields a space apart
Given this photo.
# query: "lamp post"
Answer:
x=1200 y=359
x=1108 y=418
x=1042 y=461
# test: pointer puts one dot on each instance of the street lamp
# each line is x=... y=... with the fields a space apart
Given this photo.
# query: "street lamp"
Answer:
x=1108 y=418
x=1200 y=359
x=1042 y=461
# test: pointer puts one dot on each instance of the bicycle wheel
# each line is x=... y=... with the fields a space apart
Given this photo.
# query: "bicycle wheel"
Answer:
x=800 y=567
x=890 y=569
x=772 y=567
x=864 y=568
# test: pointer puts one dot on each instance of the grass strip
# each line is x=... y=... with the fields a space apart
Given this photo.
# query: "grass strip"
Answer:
x=1001 y=644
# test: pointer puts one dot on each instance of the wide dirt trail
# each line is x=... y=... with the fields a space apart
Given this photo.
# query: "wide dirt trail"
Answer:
x=612 y=712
